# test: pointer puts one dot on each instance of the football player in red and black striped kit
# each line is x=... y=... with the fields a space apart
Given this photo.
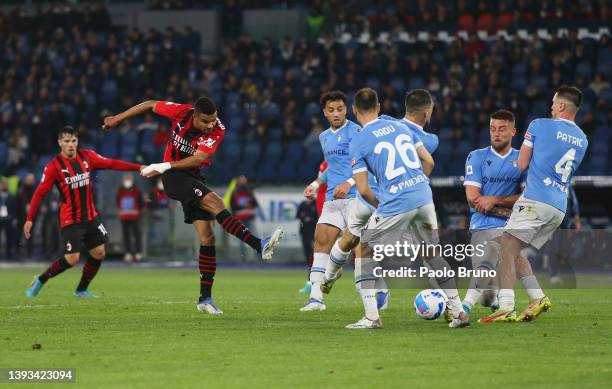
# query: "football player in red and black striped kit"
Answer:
x=195 y=134
x=70 y=172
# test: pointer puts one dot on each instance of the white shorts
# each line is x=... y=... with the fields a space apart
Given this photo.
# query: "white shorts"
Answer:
x=417 y=225
x=358 y=216
x=335 y=213
x=533 y=222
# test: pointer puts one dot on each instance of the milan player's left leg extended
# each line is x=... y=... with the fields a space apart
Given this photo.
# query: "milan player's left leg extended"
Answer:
x=214 y=204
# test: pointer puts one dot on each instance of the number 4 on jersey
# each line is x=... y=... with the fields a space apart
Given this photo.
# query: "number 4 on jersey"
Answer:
x=564 y=166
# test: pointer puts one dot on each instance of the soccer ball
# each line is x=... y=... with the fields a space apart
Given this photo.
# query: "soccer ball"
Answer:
x=429 y=304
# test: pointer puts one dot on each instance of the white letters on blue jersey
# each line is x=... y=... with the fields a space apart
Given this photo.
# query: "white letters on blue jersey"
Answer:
x=387 y=149
x=335 y=145
x=495 y=175
x=559 y=146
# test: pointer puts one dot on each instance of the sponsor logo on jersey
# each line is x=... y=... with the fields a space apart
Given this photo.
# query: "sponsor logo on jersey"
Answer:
x=182 y=145
x=208 y=142
x=408 y=183
x=77 y=181
x=500 y=180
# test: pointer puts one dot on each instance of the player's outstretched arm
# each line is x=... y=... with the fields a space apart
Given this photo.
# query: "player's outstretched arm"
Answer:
x=113 y=121
x=194 y=161
x=361 y=179
x=100 y=162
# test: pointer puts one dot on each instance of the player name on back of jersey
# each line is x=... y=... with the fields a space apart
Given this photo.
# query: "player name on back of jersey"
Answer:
x=573 y=140
x=383 y=131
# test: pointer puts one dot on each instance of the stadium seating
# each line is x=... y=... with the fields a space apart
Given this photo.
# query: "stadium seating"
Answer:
x=283 y=77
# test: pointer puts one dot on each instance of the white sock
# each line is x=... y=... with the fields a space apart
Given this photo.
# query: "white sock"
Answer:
x=454 y=302
x=365 y=283
x=368 y=296
x=317 y=271
x=337 y=259
x=472 y=295
x=531 y=285
x=506 y=299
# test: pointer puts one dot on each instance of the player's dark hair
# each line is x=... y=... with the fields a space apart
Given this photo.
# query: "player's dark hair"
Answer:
x=67 y=130
x=333 y=95
x=205 y=105
x=571 y=94
x=503 y=114
x=366 y=99
x=417 y=100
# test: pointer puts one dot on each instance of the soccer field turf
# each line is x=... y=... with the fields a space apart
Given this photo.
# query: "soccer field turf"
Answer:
x=144 y=331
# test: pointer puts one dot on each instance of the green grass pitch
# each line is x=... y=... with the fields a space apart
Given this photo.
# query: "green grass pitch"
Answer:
x=144 y=331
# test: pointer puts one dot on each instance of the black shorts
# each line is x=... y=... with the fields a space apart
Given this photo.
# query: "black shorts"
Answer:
x=92 y=234
x=188 y=188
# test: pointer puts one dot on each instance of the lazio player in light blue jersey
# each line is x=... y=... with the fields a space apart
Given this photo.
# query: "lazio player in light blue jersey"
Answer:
x=493 y=183
x=419 y=108
x=551 y=152
x=335 y=145
x=400 y=163
x=419 y=105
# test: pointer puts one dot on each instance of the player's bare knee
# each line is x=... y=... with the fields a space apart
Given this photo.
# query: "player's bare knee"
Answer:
x=207 y=238
x=348 y=241
x=98 y=253
x=72 y=259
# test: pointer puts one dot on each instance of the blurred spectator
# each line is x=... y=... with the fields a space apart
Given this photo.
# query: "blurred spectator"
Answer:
x=312 y=140
x=599 y=83
x=51 y=231
x=308 y=217
x=244 y=206
x=23 y=207
x=52 y=74
x=130 y=203
x=17 y=148
x=8 y=219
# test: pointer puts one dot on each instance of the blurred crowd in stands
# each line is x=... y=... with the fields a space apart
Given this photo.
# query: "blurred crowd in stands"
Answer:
x=267 y=91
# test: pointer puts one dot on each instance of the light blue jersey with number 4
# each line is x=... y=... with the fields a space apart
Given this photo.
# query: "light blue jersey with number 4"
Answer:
x=387 y=149
x=558 y=148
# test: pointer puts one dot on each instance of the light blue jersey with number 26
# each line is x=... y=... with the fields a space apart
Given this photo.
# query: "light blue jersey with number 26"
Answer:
x=387 y=149
x=558 y=148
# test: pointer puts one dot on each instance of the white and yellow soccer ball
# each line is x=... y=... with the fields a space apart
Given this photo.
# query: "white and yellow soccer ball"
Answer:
x=430 y=304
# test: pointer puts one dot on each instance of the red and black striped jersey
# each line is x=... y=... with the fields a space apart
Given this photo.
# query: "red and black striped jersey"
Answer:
x=72 y=177
x=184 y=139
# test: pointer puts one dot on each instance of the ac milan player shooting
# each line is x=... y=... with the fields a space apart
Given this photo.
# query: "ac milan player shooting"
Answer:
x=195 y=134
x=70 y=171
